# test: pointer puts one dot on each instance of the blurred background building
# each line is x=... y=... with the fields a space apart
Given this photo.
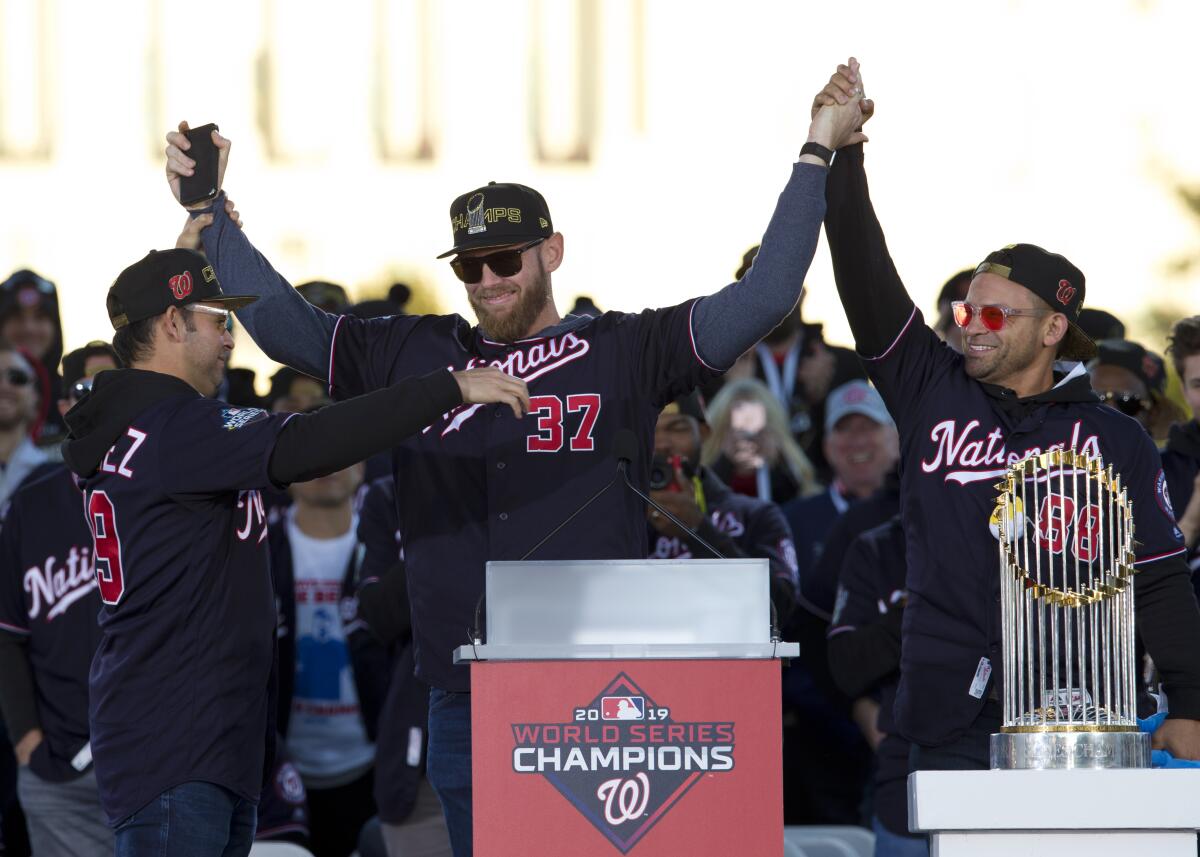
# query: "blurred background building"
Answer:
x=660 y=132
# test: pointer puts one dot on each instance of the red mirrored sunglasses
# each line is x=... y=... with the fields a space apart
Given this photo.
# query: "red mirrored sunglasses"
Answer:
x=991 y=316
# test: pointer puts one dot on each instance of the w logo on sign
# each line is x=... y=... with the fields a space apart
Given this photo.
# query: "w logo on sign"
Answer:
x=181 y=285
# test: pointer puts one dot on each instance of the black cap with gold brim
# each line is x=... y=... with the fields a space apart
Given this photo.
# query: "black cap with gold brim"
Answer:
x=166 y=278
x=1052 y=278
x=498 y=215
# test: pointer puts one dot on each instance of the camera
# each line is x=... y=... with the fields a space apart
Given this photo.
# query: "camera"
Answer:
x=662 y=472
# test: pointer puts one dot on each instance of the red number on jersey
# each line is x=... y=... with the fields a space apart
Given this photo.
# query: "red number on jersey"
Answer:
x=1087 y=533
x=106 y=549
x=589 y=403
x=549 y=412
x=1054 y=520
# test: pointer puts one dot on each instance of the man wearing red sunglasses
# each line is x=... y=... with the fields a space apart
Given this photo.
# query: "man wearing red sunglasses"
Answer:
x=1017 y=389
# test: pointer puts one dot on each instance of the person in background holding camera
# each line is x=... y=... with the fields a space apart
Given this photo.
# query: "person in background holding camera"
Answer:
x=735 y=525
x=799 y=368
x=750 y=447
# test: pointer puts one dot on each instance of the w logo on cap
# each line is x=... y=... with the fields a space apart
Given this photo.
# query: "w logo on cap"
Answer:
x=181 y=285
x=1065 y=292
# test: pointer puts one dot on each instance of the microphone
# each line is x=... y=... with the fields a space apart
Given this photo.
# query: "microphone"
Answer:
x=622 y=450
x=619 y=450
x=625 y=447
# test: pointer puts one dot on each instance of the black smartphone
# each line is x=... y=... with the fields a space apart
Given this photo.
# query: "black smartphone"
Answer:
x=201 y=185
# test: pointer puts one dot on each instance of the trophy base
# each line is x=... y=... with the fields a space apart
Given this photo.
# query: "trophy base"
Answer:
x=1062 y=750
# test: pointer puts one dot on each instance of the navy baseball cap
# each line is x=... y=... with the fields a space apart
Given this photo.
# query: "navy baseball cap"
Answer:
x=166 y=278
x=1147 y=366
x=1053 y=279
x=498 y=215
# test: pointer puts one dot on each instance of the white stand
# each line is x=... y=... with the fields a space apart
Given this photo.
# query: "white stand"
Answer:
x=1096 y=813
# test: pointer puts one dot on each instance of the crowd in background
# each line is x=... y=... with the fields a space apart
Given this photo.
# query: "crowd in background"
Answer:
x=792 y=457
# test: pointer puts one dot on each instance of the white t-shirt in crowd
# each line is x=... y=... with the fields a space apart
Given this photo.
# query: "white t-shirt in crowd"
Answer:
x=326 y=736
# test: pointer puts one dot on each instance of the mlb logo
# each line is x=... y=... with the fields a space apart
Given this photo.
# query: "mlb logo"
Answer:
x=622 y=708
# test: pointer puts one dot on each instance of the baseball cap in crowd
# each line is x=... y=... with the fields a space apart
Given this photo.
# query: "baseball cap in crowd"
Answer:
x=498 y=215
x=855 y=397
x=1053 y=279
x=1132 y=356
x=690 y=405
x=28 y=289
x=75 y=363
x=327 y=296
x=1100 y=324
x=166 y=278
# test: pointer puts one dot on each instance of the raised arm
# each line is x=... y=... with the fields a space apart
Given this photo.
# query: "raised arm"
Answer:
x=285 y=326
x=876 y=303
x=729 y=322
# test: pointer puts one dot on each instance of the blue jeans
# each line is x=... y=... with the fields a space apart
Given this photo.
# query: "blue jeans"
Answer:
x=448 y=765
x=191 y=820
x=888 y=844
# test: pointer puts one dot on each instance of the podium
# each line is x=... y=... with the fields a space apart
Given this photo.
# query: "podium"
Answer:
x=620 y=704
x=1063 y=813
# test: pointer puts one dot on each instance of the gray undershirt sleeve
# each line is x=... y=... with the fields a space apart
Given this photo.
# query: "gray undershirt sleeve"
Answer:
x=286 y=327
x=730 y=322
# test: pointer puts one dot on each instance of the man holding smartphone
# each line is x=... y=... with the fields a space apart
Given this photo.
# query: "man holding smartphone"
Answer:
x=472 y=488
x=180 y=696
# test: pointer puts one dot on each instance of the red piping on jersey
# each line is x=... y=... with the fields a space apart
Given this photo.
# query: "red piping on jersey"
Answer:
x=899 y=335
x=332 y=346
x=1160 y=556
x=840 y=629
x=14 y=628
x=692 y=337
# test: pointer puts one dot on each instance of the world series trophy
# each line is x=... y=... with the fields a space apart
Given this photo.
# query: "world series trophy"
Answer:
x=1066 y=595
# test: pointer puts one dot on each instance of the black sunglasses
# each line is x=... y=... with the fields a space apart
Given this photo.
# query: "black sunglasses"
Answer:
x=17 y=377
x=504 y=263
x=1127 y=403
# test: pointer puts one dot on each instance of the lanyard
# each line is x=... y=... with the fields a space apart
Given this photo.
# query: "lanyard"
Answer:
x=783 y=385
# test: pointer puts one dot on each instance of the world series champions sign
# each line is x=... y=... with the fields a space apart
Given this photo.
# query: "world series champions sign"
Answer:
x=627 y=757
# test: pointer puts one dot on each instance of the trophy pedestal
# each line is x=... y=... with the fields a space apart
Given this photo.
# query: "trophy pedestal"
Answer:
x=1065 y=750
x=1056 y=813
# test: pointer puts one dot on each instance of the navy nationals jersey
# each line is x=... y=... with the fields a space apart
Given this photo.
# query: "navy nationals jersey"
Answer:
x=480 y=485
x=48 y=598
x=179 y=685
x=957 y=438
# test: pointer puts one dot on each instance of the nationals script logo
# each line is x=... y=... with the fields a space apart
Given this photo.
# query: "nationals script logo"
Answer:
x=971 y=456
x=622 y=760
x=527 y=364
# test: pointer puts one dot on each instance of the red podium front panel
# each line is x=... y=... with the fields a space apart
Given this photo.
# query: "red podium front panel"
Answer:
x=585 y=758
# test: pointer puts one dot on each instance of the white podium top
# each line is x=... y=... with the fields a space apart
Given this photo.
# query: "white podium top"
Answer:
x=1079 y=799
x=647 y=651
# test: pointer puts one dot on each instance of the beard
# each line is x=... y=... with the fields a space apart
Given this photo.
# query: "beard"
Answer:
x=997 y=366
x=515 y=323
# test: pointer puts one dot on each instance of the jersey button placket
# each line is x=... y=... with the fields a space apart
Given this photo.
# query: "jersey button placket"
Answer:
x=503 y=516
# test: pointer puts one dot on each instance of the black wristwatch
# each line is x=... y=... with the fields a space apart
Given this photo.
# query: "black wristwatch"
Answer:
x=820 y=151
